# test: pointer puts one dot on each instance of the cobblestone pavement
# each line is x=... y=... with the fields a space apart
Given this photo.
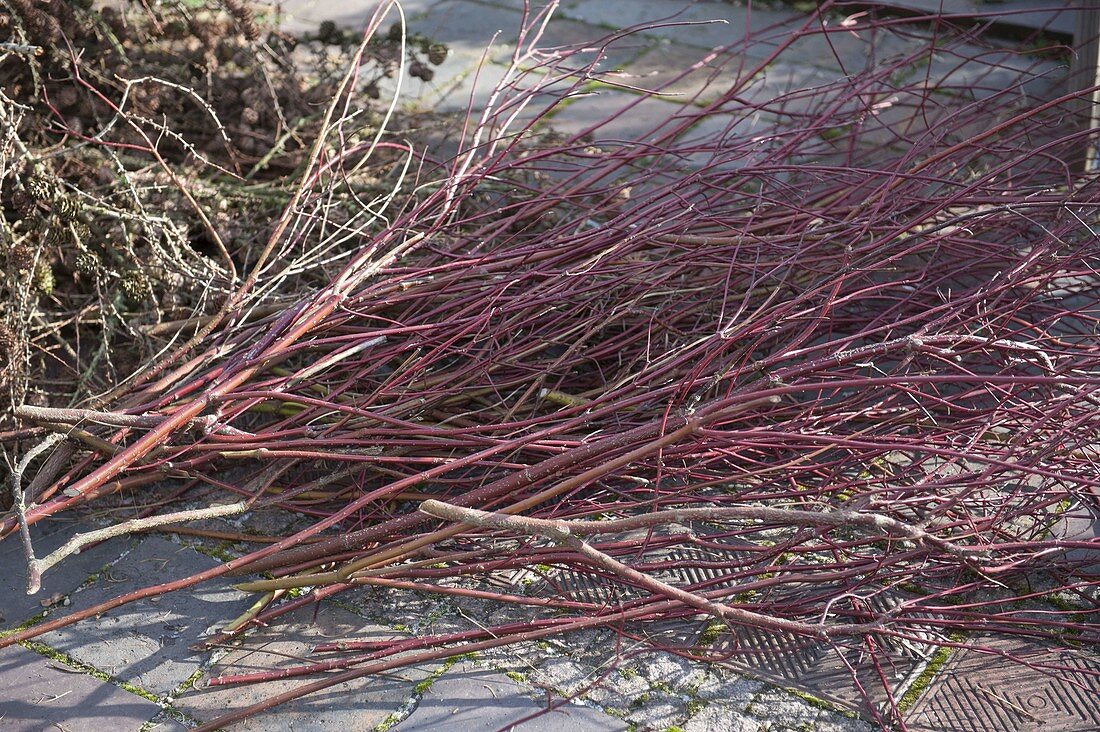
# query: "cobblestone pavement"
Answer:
x=132 y=669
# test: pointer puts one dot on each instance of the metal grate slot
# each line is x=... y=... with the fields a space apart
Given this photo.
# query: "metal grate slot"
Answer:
x=979 y=692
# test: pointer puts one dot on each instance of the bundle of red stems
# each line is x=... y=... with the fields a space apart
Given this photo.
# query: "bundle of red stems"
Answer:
x=851 y=328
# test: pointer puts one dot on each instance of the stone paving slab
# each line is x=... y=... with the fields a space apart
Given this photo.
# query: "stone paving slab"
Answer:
x=163 y=723
x=360 y=704
x=688 y=23
x=635 y=115
x=304 y=16
x=850 y=52
x=663 y=68
x=39 y=694
x=564 y=32
x=146 y=643
x=481 y=38
x=467 y=24
x=468 y=697
x=721 y=717
x=16 y=606
x=785 y=89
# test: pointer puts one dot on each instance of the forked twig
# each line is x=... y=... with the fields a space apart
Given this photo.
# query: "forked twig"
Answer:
x=34 y=572
x=78 y=542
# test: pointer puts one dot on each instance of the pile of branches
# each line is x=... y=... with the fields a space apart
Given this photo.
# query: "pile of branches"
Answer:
x=141 y=148
x=850 y=330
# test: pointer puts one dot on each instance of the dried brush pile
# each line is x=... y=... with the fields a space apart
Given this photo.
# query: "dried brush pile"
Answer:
x=857 y=342
x=144 y=155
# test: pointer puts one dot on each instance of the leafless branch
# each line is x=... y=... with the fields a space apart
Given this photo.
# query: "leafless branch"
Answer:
x=561 y=533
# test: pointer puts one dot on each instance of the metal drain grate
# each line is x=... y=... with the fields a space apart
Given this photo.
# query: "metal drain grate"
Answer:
x=708 y=568
x=592 y=588
x=817 y=668
x=978 y=692
x=973 y=692
x=827 y=671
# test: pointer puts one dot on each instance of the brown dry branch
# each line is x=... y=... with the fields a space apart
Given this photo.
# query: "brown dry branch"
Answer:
x=133 y=526
x=561 y=532
x=72 y=416
x=878 y=523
